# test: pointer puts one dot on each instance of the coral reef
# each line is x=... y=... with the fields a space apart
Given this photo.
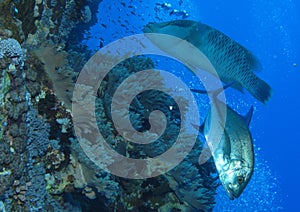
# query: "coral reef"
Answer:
x=11 y=49
x=38 y=134
x=13 y=109
x=42 y=165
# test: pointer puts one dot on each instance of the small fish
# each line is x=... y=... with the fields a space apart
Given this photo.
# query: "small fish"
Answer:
x=101 y=43
x=232 y=62
x=232 y=151
x=123 y=4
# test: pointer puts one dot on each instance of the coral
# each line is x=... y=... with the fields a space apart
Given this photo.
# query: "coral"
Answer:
x=188 y=183
x=72 y=176
x=54 y=159
x=20 y=191
x=5 y=33
x=38 y=134
x=36 y=193
x=194 y=184
x=12 y=107
x=29 y=192
x=12 y=49
x=56 y=70
x=96 y=178
x=65 y=122
x=26 y=15
x=4 y=88
x=8 y=20
x=86 y=14
x=42 y=165
x=2 y=207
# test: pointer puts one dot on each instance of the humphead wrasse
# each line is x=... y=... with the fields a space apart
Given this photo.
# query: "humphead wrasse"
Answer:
x=233 y=62
x=232 y=150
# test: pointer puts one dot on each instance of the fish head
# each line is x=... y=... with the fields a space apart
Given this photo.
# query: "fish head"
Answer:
x=236 y=178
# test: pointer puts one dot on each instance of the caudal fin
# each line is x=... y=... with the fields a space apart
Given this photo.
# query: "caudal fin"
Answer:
x=261 y=91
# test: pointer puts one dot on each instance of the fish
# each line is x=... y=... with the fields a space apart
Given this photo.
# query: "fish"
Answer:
x=232 y=152
x=232 y=61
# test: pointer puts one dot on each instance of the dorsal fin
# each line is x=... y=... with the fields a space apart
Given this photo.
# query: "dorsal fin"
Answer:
x=248 y=116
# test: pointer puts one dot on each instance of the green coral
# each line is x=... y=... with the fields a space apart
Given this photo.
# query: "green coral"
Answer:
x=4 y=88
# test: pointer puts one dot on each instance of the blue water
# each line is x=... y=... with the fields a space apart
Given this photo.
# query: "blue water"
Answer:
x=270 y=29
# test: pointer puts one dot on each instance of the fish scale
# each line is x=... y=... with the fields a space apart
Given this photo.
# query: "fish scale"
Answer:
x=232 y=61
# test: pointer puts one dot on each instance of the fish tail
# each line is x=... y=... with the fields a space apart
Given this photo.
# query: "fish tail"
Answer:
x=260 y=90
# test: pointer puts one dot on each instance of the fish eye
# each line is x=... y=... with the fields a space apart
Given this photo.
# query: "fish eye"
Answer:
x=240 y=179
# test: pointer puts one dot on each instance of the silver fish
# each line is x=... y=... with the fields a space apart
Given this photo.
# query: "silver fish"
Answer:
x=233 y=62
x=232 y=151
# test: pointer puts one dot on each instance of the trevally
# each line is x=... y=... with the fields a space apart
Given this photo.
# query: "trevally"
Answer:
x=232 y=61
x=230 y=143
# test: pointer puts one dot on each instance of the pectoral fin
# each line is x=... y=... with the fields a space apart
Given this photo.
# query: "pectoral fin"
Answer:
x=226 y=146
x=215 y=92
x=248 y=116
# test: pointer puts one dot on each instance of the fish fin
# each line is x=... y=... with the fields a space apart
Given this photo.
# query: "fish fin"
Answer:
x=182 y=23
x=226 y=146
x=215 y=92
x=255 y=64
x=205 y=154
x=235 y=85
x=238 y=87
x=200 y=91
x=200 y=128
x=248 y=116
x=257 y=67
x=261 y=91
x=218 y=91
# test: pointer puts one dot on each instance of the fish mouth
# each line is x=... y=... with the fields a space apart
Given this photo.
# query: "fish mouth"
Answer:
x=230 y=194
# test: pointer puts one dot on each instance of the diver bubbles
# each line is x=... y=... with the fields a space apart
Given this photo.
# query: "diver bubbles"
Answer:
x=85 y=94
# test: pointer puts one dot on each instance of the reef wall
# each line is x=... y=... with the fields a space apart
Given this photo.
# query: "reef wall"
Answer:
x=42 y=166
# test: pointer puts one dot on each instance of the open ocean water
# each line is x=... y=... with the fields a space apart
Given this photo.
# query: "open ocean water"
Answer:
x=270 y=30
